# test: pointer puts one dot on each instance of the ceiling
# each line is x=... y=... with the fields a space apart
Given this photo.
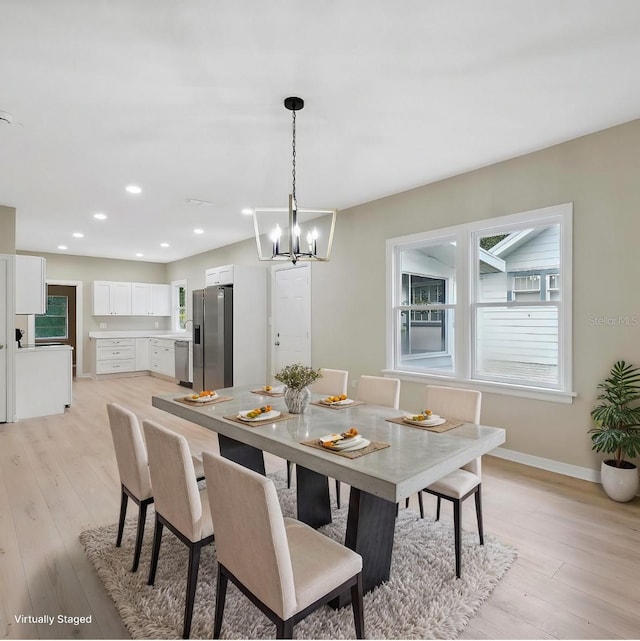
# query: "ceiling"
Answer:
x=185 y=99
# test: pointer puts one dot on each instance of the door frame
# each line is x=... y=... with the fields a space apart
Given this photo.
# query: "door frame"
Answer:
x=274 y=269
x=9 y=339
x=79 y=316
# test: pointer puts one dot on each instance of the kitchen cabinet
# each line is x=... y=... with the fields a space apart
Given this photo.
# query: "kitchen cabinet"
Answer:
x=114 y=355
x=111 y=298
x=163 y=357
x=150 y=299
x=219 y=275
x=31 y=286
x=142 y=354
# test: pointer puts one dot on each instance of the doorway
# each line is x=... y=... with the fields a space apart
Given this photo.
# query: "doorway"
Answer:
x=291 y=314
x=58 y=324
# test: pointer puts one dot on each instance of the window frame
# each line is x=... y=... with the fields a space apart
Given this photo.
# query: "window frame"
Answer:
x=175 y=304
x=468 y=251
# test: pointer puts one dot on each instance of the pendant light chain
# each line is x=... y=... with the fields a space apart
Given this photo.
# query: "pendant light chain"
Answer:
x=293 y=170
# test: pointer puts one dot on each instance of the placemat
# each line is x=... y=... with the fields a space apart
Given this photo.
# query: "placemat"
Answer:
x=263 y=393
x=374 y=446
x=283 y=417
x=337 y=407
x=217 y=399
x=449 y=424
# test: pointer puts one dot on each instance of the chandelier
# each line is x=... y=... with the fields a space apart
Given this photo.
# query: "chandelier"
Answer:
x=294 y=234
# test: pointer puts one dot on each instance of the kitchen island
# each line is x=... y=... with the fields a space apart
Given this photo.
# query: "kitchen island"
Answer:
x=44 y=376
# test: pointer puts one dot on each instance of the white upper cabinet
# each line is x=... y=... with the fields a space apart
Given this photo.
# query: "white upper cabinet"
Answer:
x=111 y=299
x=219 y=276
x=131 y=299
x=31 y=287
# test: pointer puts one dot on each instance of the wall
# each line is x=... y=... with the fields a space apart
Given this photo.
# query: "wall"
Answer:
x=7 y=230
x=86 y=269
x=598 y=173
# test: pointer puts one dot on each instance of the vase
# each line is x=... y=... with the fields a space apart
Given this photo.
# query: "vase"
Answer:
x=297 y=399
x=620 y=483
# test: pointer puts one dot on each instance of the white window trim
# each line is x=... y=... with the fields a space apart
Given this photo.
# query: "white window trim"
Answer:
x=175 y=304
x=467 y=256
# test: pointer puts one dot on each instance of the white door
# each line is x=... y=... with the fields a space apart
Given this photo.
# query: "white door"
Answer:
x=291 y=314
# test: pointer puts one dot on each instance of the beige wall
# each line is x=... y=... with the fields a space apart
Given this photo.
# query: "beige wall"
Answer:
x=85 y=269
x=598 y=173
x=7 y=230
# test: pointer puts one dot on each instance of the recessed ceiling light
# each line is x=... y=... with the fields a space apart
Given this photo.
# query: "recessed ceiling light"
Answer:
x=247 y=211
x=133 y=189
x=164 y=244
x=77 y=234
x=62 y=247
x=100 y=216
x=198 y=231
x=139 y=255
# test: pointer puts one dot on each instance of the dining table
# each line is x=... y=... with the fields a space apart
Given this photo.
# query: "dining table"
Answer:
x=405 y=459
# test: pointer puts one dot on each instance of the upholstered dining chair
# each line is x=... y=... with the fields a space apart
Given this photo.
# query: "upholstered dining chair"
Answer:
x=179 y=504
x=334 y=382
x=133 y=469
x=379 y=390
x=456 y=486
x=286 y=568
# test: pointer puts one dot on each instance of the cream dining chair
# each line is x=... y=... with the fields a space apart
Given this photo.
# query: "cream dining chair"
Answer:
x=333 y=382
x=286 y=568
x=379 y=390
x=179 y=505
x=464 y=405
x=133 y=469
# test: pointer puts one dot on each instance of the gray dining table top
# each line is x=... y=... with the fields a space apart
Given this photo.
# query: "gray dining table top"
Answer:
x=415 y=459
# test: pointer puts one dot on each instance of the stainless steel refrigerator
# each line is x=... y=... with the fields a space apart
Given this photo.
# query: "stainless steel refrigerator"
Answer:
x=212 y=338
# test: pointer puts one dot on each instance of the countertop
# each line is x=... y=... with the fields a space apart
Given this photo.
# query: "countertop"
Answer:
x=141 y=333
x=42 y=348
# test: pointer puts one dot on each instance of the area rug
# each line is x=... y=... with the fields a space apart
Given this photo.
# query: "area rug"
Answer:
x=422 y=600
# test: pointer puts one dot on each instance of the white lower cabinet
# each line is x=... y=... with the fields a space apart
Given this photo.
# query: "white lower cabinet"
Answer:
x=163 y=357
x=115 y=355
x=143 y=354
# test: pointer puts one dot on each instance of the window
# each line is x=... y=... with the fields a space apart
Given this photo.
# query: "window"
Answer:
x=55 y=322
x=488 y=302
x=178 y=305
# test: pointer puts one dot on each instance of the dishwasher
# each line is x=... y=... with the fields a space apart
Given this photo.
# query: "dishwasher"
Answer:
x=182 y=363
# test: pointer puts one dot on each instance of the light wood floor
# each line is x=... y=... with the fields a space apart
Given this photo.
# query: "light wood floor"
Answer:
x=577 y=574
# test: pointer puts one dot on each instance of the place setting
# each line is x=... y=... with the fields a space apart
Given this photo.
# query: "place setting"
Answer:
x=259 y=416
x=349 y=444
x=269 y=390
x=206 y=397
x=426 y=420
x=337 y=402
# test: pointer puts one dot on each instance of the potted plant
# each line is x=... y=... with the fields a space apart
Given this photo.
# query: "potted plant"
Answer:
x=296 y=378
x=617 y=430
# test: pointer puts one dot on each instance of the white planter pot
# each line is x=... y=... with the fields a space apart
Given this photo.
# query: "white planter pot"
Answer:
x=620 y=484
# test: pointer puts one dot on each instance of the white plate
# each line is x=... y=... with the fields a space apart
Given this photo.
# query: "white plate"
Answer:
x=431 y=422
x=352 y=446
x=273 y=390
x=347 y=401
x=201 y=399
x=346 y=442
x=263 y=417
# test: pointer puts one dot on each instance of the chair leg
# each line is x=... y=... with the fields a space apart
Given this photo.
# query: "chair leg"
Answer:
x=142 y=518
x=221 y=594
x=155 y=552
x=338 y=493
x=438 y=509
x=421 y=504
x=289 y=467
x=479 y=515
x=192 y=580
x=284 y=629
x=457 y=534
x=406 y=503
x=358 y=607
x=124 y=499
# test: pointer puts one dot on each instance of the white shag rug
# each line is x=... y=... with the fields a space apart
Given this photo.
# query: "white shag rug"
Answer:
x=422 y=600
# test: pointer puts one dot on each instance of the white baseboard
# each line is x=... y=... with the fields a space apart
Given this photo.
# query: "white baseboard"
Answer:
x=584 y=473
